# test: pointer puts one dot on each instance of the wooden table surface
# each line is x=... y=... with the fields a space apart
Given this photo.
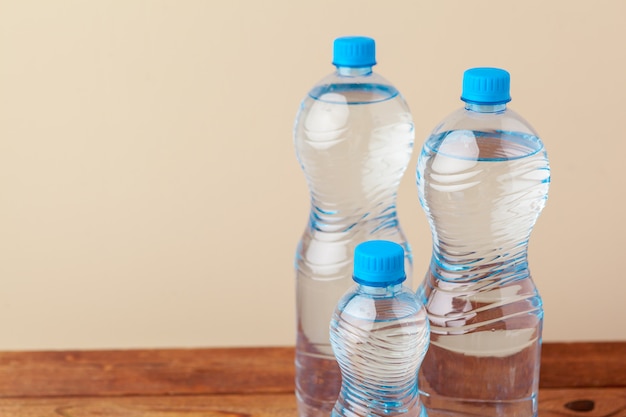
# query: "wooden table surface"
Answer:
x=577 y=379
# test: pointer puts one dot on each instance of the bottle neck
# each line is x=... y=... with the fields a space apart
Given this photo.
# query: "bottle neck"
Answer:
x=353 y=72
x=485 y=108
x=381 y=291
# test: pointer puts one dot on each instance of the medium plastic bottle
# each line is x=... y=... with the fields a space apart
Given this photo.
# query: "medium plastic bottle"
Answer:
x=379 y=334
x=483 y=178
x=353 y=137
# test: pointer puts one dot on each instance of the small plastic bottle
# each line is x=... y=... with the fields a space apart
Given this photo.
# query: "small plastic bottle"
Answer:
x=483 y=179
x=353 y=136
x=379 y=334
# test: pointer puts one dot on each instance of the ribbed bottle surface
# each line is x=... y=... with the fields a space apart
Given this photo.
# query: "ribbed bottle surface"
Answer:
x=379 y=338
x=353 y=137
x=482 y=192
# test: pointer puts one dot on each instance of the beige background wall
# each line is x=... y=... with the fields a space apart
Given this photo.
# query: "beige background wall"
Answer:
x=149 y=190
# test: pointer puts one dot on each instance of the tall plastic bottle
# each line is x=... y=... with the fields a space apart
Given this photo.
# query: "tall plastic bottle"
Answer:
x=353 y=137
x=483 y=179
x=379 y=334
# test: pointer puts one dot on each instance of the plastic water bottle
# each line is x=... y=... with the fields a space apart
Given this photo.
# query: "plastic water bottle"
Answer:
x=483 y=179
x=379 y=334
x=353 y=137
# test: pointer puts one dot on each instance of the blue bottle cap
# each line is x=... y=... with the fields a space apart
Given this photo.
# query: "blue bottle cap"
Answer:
x=354 y=52
x=379 y=263
x=486 y=86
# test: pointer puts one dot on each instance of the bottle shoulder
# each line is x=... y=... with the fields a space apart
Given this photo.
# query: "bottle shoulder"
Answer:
x=383 y=306
x=495 y=136
x=500 y=121
x=353 y=90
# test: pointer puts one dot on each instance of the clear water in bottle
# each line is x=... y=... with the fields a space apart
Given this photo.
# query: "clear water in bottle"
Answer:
x=379 y=334
x=353 y=137
x=482 y=190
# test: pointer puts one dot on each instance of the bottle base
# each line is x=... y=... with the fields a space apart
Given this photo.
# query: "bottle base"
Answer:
x=318 y=382
x=321 y=409
x=418 y=411
x=461 y=407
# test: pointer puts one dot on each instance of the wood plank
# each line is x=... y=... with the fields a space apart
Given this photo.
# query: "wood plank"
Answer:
x=607 y=402
x=146 y=372
x=573 y=365
x=267 y=405
x=588 y=402
x=243 y=370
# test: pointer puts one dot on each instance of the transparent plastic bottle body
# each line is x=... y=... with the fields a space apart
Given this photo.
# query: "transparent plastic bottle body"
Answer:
x=483 y=178
x=379 y=336
x=354 y=138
